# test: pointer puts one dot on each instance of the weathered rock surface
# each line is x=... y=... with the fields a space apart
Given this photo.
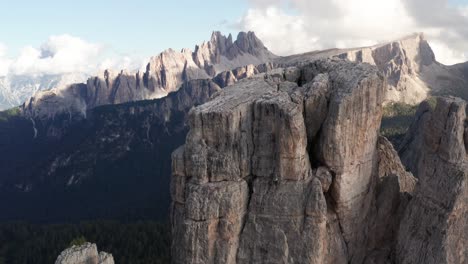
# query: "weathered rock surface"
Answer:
x=434 y=228
x=403 y=63
x=393 y=191
x=84 y=254
x=273 y=172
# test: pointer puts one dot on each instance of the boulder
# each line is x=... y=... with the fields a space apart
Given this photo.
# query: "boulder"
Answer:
x=84 y=254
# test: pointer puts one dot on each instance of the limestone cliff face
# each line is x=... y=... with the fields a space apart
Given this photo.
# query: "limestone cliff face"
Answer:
x=434 y=228
x=84 y=254
x=164 y=74
x=403 y=62
x=409 y=64
x=287 y=167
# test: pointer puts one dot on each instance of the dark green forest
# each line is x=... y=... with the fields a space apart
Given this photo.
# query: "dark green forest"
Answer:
x=130 y=243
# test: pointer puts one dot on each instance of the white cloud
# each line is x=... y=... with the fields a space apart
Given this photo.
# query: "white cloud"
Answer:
x=64 y=54
x=446 y=54
x=308 y=25
x=273 y=26
x=59 y=54
x=123 y=62
x=463 y=10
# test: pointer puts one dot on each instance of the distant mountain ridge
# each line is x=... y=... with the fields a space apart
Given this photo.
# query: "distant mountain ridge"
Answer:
x=16 y=89
x=409 y=63
x=164 y=74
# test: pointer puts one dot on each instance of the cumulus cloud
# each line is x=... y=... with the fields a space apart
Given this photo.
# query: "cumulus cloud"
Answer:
x=321 y=24
x=123 y=62
x=63 y=54
x=447 y=26
x=274 y=26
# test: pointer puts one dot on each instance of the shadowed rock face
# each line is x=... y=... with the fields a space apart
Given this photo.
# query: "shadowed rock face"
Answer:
x=274 y=172
x=434 y=228
x=68 y=152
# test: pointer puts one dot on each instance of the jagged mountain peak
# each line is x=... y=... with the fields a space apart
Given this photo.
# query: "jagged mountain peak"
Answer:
x=248 y=41
x=416 y=46
x=408 y=63
x=404 y=62
x=165 y=72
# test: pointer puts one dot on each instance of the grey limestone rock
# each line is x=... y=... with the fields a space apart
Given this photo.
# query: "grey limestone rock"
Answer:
x=434 y=228
x=84 y=254
x=295 y=154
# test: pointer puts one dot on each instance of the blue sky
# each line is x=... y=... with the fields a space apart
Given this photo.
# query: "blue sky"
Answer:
x=458 y=2
x=89 y=36
x=137 y=27
x=134 y=27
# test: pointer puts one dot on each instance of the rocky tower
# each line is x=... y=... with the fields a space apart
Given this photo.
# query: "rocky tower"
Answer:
x=434 y=228
x=287 y=167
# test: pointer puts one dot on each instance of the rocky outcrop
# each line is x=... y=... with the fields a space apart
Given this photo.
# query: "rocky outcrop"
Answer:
x=393 y=191
x=287 y=167
x=164 y=74
x=403 y=63
x=84 y=254
x=434 y=228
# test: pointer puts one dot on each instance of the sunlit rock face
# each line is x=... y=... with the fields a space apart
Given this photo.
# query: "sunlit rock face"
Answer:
x=164 y=73
x=409 y=64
